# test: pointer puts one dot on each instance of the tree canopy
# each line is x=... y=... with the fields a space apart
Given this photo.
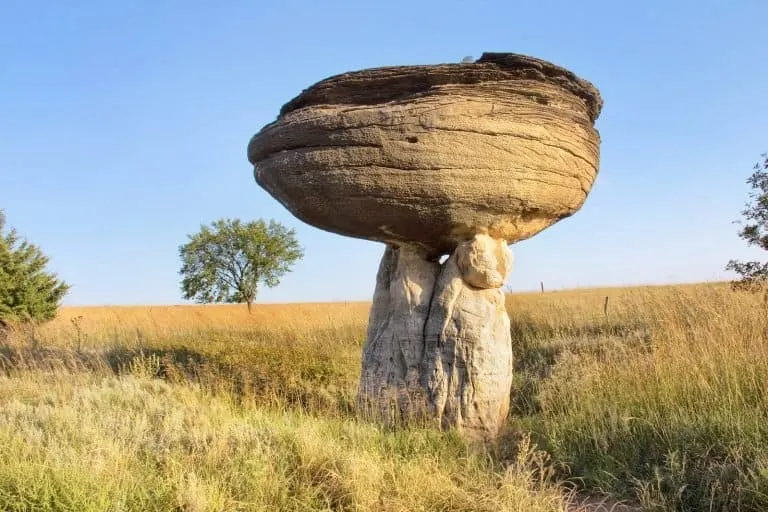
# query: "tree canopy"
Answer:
x=228 y=260
x=27 y=291
x=754 y=274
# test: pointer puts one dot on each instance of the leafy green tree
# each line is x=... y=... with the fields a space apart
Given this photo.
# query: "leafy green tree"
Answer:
x=754 y=274
x=27 y=291
x=228 y=260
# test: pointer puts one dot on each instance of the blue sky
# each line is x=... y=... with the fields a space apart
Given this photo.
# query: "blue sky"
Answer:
x=123 y=127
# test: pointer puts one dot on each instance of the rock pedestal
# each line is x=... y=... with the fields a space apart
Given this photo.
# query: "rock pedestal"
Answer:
x=390 y=382
x=439 y=344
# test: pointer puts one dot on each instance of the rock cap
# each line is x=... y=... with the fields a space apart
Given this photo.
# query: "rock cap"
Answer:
x=431 y=155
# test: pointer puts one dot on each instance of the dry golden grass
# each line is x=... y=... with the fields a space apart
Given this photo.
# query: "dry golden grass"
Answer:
x=211 y=408
x=102 y=322
x=661 y=399
x=554 y=310
x=85 y=443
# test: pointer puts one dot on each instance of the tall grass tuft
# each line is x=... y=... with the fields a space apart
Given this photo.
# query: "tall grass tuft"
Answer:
x=672 y=411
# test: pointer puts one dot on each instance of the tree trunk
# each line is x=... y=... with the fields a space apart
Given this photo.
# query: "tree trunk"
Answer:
x=439 y=342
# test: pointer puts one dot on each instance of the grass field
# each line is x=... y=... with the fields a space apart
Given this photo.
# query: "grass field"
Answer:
x=659 y=398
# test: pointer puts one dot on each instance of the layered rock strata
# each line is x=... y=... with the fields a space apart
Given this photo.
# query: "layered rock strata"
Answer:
x=428 y=156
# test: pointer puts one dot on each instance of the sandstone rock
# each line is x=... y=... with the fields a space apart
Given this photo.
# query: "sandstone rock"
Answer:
x=468 y=363
x=438 y=346
x=431 y=155
x=390 y=384
x=484 y=262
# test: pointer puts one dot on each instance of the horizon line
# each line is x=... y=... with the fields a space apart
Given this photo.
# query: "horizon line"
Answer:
x=358 y=301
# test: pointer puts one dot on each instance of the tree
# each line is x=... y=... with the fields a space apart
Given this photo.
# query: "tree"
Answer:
x=27 y=292
x=226 y=261
x=754 y=274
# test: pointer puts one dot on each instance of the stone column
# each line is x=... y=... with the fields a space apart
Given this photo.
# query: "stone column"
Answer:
x=390 y=383
x=439 y=340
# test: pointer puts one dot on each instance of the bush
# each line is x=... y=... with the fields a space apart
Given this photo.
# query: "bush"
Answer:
x=27 y=291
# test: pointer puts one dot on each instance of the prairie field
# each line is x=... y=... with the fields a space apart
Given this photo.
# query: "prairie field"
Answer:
x=655 y=396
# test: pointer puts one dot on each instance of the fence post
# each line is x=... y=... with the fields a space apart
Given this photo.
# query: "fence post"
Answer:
x=605 y=306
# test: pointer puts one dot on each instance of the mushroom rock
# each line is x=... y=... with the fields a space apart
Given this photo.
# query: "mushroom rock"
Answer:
x=457 y=159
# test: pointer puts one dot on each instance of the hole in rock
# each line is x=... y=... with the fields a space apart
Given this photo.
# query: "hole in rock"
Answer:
x=412 y=140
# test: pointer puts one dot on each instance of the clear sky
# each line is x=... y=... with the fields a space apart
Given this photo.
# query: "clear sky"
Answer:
x=124 y=125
